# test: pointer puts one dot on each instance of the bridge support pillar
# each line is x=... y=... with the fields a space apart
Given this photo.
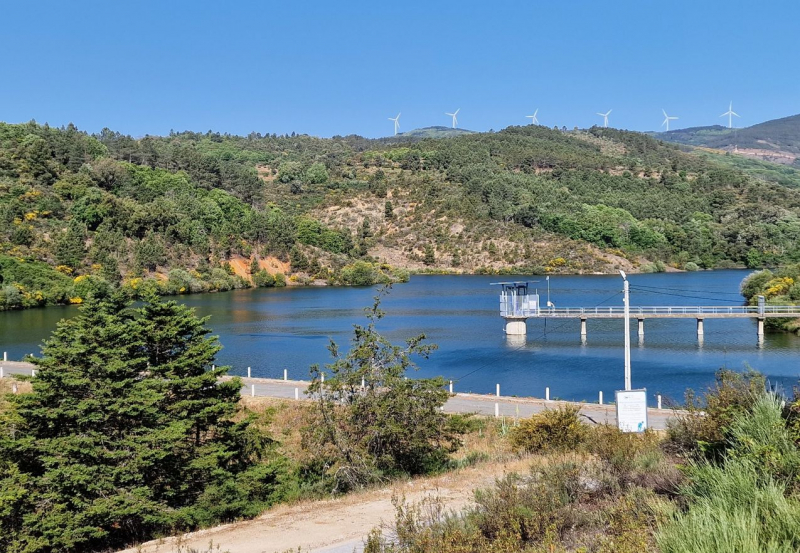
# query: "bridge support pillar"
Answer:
x=641 y=327
x=760 y=328
x=516 y=327
x=700 y=327
x=583 y=327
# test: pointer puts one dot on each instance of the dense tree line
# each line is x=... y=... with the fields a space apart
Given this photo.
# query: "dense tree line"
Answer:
x=110 y=209
x=80 y=213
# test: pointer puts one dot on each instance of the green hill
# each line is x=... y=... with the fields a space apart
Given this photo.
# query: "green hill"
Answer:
x=695 y=136
x=776 y=141
x=435 y=132
x=193 y=212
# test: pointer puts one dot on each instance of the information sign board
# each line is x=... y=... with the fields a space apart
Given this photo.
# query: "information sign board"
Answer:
x=631 y=410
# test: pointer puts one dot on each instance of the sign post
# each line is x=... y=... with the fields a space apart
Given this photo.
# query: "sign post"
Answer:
x=631 y=410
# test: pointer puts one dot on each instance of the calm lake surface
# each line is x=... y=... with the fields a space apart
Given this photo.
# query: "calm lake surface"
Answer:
x=273 y=329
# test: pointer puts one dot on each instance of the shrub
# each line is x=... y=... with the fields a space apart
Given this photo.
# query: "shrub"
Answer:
x=732 y=509
x=702 y=429
x=263 y=279
x=392 y=424
x=741 y=503
x=552 y=429
x=760 y=436
x=632 y=457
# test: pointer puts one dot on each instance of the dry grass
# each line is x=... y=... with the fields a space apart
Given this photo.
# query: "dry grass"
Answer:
x=7 y=385
x=284 y=420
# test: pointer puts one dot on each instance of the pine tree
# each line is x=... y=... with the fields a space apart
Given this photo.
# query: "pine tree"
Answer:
x=393 y=424
x=127 y=428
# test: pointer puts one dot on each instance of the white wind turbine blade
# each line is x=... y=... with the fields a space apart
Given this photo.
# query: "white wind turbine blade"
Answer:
x=736 y=114
x=456 y=113
x=664 y=112
x=535 y=112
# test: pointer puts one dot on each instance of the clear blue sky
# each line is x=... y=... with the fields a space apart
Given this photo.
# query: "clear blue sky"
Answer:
x=327 y=68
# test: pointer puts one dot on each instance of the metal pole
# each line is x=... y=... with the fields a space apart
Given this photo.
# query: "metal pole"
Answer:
x=626 y=289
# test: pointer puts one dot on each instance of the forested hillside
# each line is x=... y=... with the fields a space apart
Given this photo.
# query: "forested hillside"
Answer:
x=777 y=140
x=193 y=212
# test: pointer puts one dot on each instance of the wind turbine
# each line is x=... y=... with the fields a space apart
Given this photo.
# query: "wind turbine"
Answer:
x=667 y=119
x=396 y=123
x=605 y=117
x=453 y=115
x=533 y=119
x=730 y=113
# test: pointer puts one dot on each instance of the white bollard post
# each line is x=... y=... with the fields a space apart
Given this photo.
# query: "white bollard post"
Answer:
x=252 y=390
x=659 y=401
x=286 y=374
x=363 y=383
x=33 y=372
x=1 y=372
x=547 y=393
x=14 y=388
x=213 y=367
x=451 y=387
x=600 y=400
x=498 y=390
x=497 y=410
x=5 y=356
x=249 y=373
x=322 y=378
x=296 y=393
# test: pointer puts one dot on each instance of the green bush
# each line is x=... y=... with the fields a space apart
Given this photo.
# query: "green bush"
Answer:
x=263 y=279
x=732 y=508
x=702 y=429
x=741 y=502
x=760 y=436
x=550 y=430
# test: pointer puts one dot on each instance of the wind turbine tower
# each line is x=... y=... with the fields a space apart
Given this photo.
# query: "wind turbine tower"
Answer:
x=396 y=123
x=533 y=119
x=667 y=119
x=605 y=117
x=453 y=115
x=730 y=113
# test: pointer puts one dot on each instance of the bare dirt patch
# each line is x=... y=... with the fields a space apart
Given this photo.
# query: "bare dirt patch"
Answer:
x=314 y=525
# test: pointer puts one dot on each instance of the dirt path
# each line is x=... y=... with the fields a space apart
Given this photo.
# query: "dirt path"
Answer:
x=337 y=524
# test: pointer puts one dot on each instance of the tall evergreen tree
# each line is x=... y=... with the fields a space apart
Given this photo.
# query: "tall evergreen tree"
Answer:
x=127 y=426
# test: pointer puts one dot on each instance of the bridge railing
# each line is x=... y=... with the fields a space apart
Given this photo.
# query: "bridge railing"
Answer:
x=671 y=310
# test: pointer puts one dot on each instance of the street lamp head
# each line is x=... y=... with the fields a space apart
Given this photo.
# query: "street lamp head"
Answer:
x=623 y=275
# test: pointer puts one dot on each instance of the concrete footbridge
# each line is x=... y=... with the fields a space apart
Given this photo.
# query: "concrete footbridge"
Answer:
x=517 y=305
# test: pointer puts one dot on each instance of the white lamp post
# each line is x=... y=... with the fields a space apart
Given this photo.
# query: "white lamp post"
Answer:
x=626 y=290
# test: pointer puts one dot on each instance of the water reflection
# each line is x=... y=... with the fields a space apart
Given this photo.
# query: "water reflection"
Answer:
x=273 y=329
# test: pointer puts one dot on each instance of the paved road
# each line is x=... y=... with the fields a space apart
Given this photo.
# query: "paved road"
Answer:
x=458 y=403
